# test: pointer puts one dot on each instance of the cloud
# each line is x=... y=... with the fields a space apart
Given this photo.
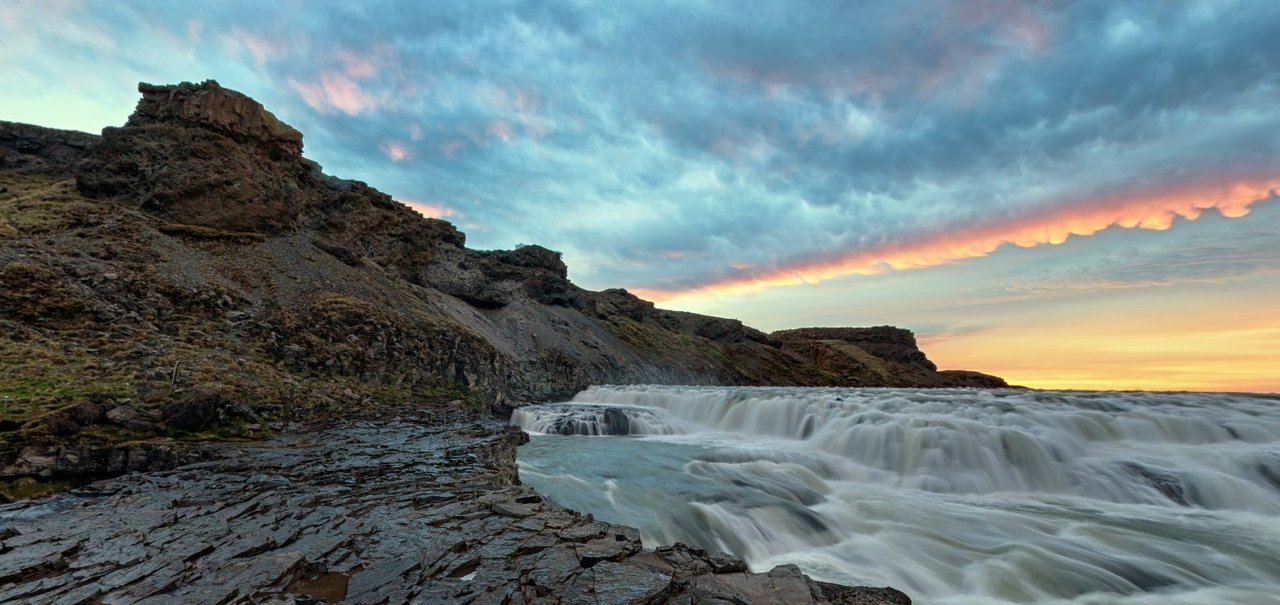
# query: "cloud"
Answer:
x=1155 y=210
x=396 y=152
x=259 y=48
x=430 y=209
x=335 y=91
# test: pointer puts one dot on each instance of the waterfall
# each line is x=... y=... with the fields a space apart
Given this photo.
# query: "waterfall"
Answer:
x=1121 y=447
x=958 y=496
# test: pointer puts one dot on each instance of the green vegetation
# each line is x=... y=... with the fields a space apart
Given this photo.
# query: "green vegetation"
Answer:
x=38 y=376
x=27 y=488
x=36 y=204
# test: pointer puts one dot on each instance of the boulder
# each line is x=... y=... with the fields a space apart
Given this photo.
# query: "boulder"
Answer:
x=91 y=410
x=195 y=411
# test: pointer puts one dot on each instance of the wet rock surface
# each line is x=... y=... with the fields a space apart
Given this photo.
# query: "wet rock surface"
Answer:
x=424 y=508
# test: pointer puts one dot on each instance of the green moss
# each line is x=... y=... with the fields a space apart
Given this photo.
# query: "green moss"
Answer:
x=36 y=204
x=39 y=376
x=27 y=488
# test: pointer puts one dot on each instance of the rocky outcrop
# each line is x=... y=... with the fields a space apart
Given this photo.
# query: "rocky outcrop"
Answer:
x=33 y=149
x=202 y=155
x=426 y=508
x=885 y=342
x=882 y=356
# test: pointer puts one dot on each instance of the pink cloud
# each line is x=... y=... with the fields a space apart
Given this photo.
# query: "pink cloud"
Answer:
x=259 y=48
x=355 y=65
x=527 y=105
x=335 y=91
x=501 y=130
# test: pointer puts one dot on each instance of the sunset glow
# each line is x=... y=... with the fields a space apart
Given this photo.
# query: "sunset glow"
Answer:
x=1154 y=211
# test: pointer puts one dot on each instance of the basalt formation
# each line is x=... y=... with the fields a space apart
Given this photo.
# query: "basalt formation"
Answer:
x=190 y=276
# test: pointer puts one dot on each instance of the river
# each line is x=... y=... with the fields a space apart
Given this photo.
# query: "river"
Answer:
x=952 y=496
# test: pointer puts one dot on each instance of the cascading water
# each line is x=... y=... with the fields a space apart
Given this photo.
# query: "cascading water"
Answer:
x=953 y=496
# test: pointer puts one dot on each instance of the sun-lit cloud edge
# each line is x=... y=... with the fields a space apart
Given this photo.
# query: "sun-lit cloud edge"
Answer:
x=1153 y=209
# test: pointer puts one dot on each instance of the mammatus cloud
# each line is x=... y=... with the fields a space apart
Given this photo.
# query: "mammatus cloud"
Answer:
x=1154 y=210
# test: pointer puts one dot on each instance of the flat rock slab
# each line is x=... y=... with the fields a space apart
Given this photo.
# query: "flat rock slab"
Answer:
x=421 y=509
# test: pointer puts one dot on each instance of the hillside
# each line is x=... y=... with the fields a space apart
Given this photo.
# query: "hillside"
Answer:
x=190 y=274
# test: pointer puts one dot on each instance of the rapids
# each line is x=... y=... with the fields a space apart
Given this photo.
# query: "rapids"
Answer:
x=953 y=496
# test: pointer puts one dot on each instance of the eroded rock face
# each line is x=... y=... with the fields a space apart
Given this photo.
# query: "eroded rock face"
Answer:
x=422 y=509
x=210 y=106
x=878 y=356
x=200 y=154
x=204 y=155
x=886 y=342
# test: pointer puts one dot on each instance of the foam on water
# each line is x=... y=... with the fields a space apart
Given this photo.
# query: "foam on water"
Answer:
x=954 y=496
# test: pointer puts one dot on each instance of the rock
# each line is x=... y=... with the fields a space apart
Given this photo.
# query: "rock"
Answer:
x=79 y=460
x=862 y=595
x=211 y=107
x=608 y=548
x=886 y=342
x=534 y=257
x=35 y=149
x=616 y=422
x=89 y=411
x=723 y=563
x=59 y=425
x=122 y=415
x=621 y=584
x=969 y=378
x=199 y=154
x=195 y=411
x=783 y=585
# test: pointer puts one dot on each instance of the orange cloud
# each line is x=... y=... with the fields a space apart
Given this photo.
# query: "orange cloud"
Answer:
x=430 y=209
x=395 y=151
x=335 y=91
x=1152 y=210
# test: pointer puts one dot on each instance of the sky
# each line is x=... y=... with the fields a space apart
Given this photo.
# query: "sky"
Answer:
x=1066 y=194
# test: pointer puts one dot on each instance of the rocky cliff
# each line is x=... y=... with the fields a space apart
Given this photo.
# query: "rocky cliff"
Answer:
x=191 y=274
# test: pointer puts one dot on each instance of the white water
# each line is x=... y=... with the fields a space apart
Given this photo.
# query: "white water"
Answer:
x=952 y=496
